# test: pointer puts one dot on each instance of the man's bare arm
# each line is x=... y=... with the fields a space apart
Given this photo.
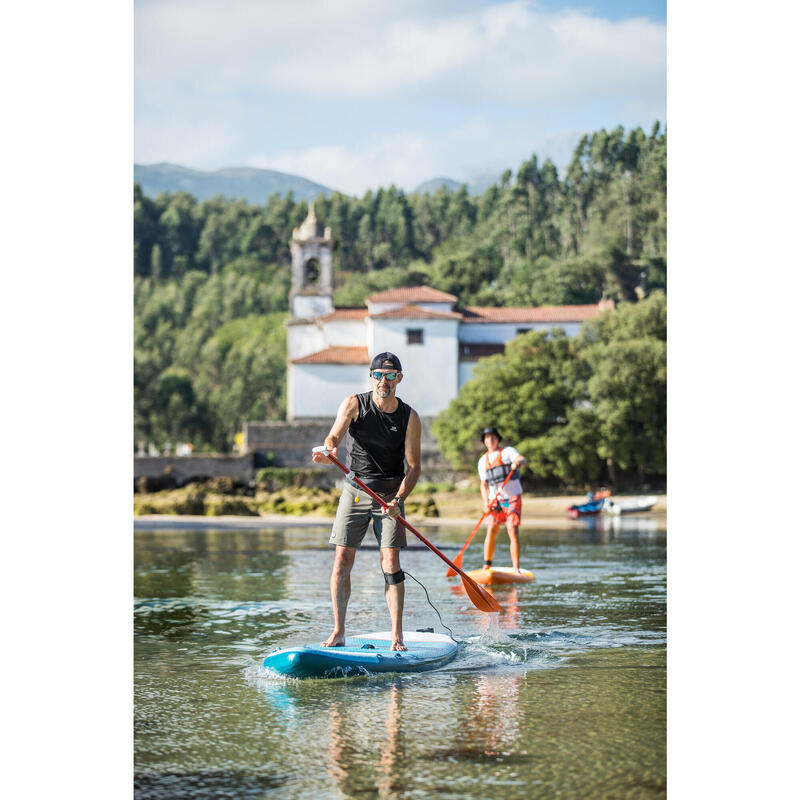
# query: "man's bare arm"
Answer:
x=348 y=411
x=413 y=436
x=485 y=495
x=413 y=459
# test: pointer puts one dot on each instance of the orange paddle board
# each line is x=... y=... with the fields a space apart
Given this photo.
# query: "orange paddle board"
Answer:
x=495 y=575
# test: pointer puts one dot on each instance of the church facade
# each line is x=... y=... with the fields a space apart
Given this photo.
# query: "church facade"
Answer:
x=329 y=349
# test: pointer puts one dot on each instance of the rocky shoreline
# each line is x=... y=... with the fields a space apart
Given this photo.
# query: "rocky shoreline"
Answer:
x=537 y=513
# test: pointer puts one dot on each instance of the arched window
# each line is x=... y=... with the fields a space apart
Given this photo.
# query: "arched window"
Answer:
x=311 y=272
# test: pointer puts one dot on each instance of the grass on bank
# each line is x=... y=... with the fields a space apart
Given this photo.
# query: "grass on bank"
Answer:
x=223 y=497
x=200 y=500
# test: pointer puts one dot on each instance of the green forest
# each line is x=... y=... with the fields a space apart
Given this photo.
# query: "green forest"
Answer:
x=211 y=287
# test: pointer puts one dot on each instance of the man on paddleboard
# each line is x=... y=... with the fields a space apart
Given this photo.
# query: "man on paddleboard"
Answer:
x=384 y=431
x=501 y=498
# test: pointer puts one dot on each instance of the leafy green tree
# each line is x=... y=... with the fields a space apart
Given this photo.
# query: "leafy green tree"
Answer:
x=575 y=280
x=568 y=452
x=524 y=392
x=177 y=413
x=465 y=268
x=626 y=351
x=531 y=239
x=145 y=231
x=242 y=372
x=156 y=261
x=628 y=395
x=358 y=287
x=574 y=407
x=179 y=233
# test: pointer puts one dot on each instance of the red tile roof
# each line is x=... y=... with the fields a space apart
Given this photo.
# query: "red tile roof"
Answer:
x=534 y=314
x=342 y=314
x=336 y=355
x=412 y=294
x=415 y=312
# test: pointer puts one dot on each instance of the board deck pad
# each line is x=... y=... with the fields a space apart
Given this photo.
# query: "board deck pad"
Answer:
x=365 y=654
x=495 y=575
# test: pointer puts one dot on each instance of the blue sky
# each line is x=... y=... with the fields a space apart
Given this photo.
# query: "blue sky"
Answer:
x=357 y=94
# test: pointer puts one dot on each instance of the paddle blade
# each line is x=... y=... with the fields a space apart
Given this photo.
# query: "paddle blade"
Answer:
x=458 y=561
x=481 y=599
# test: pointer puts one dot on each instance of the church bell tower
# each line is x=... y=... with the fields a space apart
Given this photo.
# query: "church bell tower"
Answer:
x=312 y=269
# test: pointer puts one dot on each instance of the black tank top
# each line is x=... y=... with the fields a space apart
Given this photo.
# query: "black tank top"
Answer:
x=379 y=440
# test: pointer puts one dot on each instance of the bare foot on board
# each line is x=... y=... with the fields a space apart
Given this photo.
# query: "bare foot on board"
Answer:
x=334 y=640
x=397 y=644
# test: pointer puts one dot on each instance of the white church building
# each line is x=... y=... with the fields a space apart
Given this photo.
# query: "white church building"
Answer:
x=329 y=349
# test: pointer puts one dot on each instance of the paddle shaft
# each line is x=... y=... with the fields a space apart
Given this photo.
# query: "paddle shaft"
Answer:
x=487 y=598
x=459 y=559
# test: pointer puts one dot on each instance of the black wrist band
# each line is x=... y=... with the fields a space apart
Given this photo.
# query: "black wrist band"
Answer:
x=398 y=498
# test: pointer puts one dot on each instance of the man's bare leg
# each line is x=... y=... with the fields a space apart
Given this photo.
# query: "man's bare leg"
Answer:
x=488 y=543
x=513 y=536
x=395 y=594
x=340 y=592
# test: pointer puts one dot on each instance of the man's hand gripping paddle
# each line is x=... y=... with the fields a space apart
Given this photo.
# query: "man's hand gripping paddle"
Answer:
x=480 y=598
x=459 y=559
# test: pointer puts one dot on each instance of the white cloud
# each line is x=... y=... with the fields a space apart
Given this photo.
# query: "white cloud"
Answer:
x=188 y=139
x=363 y=49
x=403 y=159
x=408 y=158
x=410 y=89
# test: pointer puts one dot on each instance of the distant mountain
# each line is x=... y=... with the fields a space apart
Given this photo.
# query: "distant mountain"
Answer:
x=254 y=185
x=475 y=187
x=480 y=183
x=429 y=187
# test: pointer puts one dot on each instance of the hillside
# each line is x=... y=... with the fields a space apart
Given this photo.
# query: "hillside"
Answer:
x=476 y=186
x=254 y=185
x=429 y=187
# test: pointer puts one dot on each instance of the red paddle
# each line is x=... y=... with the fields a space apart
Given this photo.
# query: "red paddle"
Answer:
x=459 y=559
x=481 y=599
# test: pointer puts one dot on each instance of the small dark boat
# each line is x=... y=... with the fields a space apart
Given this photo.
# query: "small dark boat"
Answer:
x=593 y=505
x=585 y=509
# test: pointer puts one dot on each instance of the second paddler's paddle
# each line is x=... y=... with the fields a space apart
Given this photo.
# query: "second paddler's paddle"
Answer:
x=480 y=598
x=459 y=559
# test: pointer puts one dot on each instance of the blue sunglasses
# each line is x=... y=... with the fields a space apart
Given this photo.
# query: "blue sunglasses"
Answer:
x=390 y=376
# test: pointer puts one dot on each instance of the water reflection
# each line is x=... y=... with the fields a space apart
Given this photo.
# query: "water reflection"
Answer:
x=560 y=696
x=613 y=524
x=392 y=749
x=509 y=598
x=494 y=714
x=230 y=564
x=345 y=744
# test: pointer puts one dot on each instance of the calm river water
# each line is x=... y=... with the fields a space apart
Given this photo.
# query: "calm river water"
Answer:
x=563 y=696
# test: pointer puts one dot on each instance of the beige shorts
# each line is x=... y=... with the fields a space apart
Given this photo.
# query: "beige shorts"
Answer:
x=353 y=518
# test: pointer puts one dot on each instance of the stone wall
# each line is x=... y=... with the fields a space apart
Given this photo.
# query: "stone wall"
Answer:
x=280 y=444
x=183 y=469
x=288 y=444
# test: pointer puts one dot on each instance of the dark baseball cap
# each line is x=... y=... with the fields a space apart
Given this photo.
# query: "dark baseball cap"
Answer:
x=385 y=359
x=486 y=431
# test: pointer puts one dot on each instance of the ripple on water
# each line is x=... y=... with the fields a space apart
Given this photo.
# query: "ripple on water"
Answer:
x=204 y=784
x=562 y=696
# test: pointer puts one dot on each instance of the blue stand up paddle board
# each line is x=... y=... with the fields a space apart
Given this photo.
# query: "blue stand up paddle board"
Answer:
x=369 y=653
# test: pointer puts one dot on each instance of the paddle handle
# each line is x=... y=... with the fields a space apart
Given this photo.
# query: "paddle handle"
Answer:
x=491 y=601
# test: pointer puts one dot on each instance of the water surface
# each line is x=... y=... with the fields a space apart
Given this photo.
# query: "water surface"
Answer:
x=563 y=696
